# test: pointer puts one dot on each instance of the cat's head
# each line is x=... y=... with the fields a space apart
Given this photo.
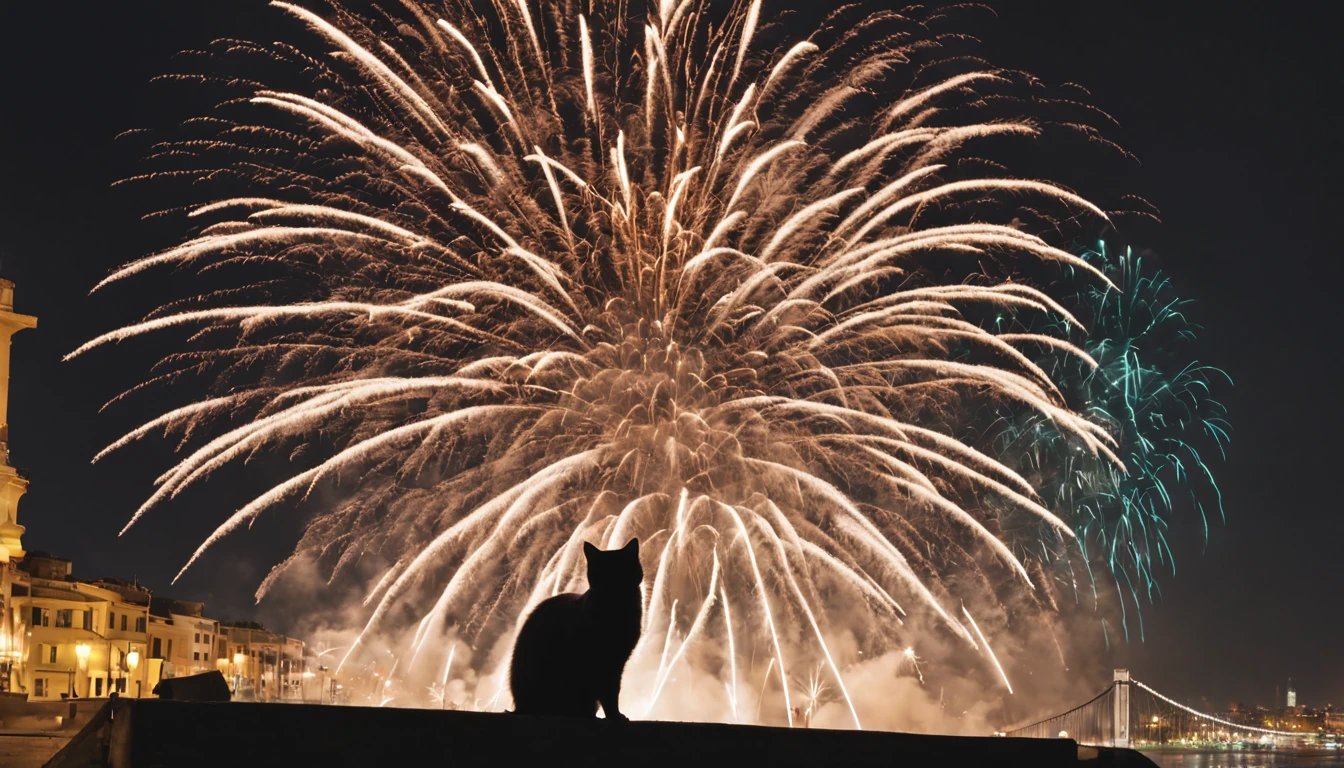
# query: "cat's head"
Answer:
x=615 y=569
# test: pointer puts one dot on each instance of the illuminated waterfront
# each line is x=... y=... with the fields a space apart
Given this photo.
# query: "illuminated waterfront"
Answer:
x=1247 y=758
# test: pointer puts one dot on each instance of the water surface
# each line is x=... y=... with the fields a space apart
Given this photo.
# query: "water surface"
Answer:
x=1189 y=758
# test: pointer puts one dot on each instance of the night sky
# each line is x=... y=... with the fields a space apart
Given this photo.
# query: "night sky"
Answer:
x=1235 y=111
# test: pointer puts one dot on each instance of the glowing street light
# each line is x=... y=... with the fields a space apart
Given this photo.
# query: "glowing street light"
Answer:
x=132 y=659
x=82 y=653
x=238 y=659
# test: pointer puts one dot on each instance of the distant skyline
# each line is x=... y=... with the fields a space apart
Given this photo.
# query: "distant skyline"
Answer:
x=1235 y=112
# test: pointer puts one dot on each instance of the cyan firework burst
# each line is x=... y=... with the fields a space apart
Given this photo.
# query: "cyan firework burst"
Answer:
x=1159 y=402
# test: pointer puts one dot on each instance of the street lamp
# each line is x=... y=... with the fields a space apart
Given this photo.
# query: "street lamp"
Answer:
x=133 y=661
x=238 y=660
x=82 y=654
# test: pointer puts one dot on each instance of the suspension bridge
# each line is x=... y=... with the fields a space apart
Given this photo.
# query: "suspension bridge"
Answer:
x=1128 y=713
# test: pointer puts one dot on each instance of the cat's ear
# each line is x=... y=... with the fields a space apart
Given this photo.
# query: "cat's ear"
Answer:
x=589 y=551
x=632 y=548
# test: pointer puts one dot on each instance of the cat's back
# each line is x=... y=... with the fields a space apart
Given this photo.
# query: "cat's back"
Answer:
x=552 y=630
x=542 y=672
x=553 y=613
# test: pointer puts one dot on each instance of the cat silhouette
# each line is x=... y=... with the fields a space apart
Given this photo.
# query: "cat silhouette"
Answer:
x=572 y=649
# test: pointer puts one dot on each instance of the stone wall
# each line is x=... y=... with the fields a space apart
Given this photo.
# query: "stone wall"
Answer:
x=148 y=733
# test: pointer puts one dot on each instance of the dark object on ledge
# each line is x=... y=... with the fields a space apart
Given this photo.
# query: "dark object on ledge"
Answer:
x=210 y=686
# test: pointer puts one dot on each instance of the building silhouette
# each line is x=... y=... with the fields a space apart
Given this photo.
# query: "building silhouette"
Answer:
x=12 y=487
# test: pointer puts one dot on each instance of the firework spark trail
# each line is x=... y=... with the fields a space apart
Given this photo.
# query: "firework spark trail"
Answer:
x=988 y=650
x=667 y=645
x=730 y=685
x=760 y=700
x=550 y=277
x=696 y=626
x=914 y=660
x=447 y=667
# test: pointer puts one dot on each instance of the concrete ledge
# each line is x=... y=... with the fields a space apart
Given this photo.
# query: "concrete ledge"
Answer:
x=88 y=747
x=149 y=733
x=16 y=712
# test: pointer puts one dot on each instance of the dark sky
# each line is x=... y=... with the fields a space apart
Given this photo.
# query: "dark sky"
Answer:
x=1235 y=111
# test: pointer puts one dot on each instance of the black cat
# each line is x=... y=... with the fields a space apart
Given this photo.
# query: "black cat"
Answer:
x=572 y=649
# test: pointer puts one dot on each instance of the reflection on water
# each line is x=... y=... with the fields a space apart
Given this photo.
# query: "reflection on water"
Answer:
x=1228 y=759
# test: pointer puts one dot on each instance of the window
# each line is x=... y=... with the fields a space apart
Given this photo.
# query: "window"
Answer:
x=40 y=617
x=86 y=620
x=123 y=622
x=139 y=623
x=111 y=620
x=97 y=686
x=196 y=656
x=158 y=649
x=121 y=685
x=207 y=655
x=198 y=638
x=170 y=647
x=51 y=654
x=40 y=687
x=65 y=618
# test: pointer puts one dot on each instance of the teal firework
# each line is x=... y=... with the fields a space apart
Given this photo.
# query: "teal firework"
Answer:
x=1147 y=388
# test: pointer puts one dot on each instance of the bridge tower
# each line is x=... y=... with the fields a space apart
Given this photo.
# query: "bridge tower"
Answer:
x=1120 y=707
